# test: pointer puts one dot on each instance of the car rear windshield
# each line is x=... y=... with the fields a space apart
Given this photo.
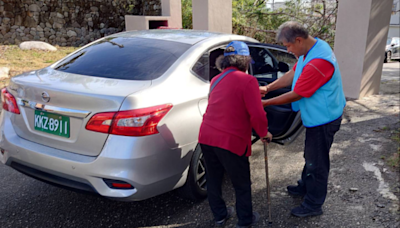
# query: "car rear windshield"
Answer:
x=124 y=58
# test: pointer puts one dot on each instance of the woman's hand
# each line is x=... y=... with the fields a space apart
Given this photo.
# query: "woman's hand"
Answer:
x=267 y=139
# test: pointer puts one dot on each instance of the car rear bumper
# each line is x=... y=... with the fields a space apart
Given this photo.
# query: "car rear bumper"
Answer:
x=147 y=163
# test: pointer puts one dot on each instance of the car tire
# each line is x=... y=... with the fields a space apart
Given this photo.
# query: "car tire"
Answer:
x=195 y=187
x=388 y=57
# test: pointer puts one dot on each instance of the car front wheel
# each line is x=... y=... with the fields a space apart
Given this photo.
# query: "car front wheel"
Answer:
x=195 y=187
x=388 y=56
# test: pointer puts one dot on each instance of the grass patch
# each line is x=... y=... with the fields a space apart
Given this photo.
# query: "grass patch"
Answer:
x=385 y=128
x=394 y=160
x=20 y=61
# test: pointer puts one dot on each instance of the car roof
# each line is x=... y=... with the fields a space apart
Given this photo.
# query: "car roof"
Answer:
x=178 y=35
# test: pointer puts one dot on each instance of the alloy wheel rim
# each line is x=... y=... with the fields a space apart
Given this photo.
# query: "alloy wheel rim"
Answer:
x=201 y=173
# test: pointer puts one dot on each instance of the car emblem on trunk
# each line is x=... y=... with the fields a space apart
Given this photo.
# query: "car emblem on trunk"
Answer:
x=45 y=97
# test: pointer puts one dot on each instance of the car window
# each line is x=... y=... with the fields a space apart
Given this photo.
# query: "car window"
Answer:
x=205 y=67
x=201 y=67
x=124 y=58
x=285 y=57
x=389 y=41
x=214 y=55
x=264 y=63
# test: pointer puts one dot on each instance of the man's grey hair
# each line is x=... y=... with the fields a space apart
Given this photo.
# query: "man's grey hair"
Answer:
x=289 y=31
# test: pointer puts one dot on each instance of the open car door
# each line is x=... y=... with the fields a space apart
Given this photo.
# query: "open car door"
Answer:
x=270 y=63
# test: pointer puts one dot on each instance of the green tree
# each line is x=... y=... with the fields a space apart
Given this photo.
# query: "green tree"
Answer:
x=318 y=16
x=252 y=18
x=187 y=14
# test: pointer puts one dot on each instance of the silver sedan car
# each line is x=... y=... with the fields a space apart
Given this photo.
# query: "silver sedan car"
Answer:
x=120 y=117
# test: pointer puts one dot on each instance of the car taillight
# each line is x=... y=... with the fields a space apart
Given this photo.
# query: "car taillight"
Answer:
x=9 y=102
x=100 y=122
x=138 y=122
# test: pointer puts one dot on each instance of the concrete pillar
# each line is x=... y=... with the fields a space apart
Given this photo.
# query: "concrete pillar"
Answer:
x=172 y=8
x=171 y=12
x=212 y=15
x=361 y=30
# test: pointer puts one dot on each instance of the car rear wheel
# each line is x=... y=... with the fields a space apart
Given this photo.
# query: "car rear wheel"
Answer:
x=195 y=187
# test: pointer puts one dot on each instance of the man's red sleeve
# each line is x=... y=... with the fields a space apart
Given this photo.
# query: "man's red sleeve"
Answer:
x=315 y=74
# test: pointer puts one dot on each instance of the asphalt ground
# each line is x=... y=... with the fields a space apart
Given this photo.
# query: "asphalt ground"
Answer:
x=359 y=161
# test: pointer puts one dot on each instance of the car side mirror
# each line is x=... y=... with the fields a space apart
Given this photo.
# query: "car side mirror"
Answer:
x=283 y=67
x=392 y=45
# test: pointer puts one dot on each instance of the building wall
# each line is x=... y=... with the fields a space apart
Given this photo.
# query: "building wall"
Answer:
x=395 y=18
x=394 y=29
x=67 y=22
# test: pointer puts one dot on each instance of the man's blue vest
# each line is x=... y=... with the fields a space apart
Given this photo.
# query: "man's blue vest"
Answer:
x=327 y=103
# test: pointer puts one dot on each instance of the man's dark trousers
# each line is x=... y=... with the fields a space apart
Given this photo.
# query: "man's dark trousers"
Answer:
x=314 y=178
x=238 y=168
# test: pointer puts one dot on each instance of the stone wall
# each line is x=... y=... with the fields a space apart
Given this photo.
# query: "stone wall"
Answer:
x=68 y=22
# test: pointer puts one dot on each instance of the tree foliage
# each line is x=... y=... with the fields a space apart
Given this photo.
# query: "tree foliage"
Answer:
x=318 y=16
x=252 y=18
x=187 y=14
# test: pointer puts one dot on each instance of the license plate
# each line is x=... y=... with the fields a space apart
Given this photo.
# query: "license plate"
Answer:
x=52 y=123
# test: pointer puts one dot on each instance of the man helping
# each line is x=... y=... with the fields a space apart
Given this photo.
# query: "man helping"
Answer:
x=317 y=92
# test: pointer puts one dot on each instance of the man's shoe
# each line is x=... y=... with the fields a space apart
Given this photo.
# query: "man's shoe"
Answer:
x=256 y=218
x=229 y=213
x=296 y=190
x=302 y=211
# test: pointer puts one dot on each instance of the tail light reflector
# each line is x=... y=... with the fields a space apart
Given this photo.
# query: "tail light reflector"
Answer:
x=117 y=184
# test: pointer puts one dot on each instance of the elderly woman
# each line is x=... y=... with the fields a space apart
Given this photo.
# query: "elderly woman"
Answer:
x=234 y=109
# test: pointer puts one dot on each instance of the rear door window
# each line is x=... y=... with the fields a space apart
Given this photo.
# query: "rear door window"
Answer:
x=124 y=58
x=201 y=67
x=206 y=66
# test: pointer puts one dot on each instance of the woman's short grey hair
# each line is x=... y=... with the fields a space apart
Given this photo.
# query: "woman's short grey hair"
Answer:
x=289 y=31
x=239 y=61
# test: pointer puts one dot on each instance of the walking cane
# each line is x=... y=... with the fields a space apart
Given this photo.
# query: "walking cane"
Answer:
x=267 y=180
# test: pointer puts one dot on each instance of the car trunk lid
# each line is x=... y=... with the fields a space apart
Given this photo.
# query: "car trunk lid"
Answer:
x=55 y=107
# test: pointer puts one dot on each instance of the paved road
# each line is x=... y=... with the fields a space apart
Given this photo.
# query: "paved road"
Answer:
x=356 y=162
